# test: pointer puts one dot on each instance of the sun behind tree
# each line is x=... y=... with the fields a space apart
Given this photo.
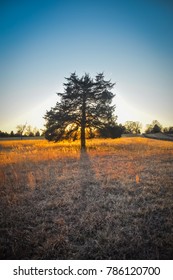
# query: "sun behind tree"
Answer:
x=85 y=105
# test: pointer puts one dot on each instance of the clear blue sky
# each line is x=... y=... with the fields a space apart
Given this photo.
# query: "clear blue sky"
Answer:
x=43 y=41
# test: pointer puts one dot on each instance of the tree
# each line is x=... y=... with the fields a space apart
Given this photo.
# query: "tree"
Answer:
x=37 y=133
x=29 y=131
x=170 y=130
x=20 y=129
x=133 y=127
x=12 y=134
x=154 y=127
x=85 y=105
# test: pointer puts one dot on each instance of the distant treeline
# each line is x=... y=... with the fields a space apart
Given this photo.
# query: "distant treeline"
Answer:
x=12 y=134
x=23 y=131
x=109 y=131
x=156 y=127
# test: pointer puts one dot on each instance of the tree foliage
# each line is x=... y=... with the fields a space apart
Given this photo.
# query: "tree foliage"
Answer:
x=84 y=106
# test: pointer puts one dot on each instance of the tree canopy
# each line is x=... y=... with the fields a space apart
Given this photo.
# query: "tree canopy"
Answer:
x=84 y=106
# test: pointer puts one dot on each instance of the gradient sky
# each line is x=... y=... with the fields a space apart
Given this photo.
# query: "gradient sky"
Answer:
x=41 y=42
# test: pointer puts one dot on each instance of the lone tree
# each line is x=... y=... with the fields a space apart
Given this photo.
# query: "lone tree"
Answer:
x=85 y=105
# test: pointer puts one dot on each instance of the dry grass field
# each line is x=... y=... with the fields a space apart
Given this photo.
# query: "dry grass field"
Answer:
x=113 y=202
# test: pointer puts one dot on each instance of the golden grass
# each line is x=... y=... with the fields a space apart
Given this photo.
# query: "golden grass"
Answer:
x=113 y=202
x=39 y=150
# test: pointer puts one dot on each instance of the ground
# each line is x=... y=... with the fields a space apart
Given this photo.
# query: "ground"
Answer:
x=112 y=202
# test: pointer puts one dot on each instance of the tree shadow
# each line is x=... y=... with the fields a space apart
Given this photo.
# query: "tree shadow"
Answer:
x=88 y=181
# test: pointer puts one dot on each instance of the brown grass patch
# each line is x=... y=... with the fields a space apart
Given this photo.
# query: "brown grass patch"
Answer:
x=114 y=202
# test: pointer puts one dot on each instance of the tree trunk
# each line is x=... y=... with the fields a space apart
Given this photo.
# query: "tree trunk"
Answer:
x=83 y=141
x=83 y=124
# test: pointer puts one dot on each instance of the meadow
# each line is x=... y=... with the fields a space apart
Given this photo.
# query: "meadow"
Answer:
x=112 y=202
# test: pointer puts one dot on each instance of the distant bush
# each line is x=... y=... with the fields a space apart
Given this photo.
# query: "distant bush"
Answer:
x=111 y=131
